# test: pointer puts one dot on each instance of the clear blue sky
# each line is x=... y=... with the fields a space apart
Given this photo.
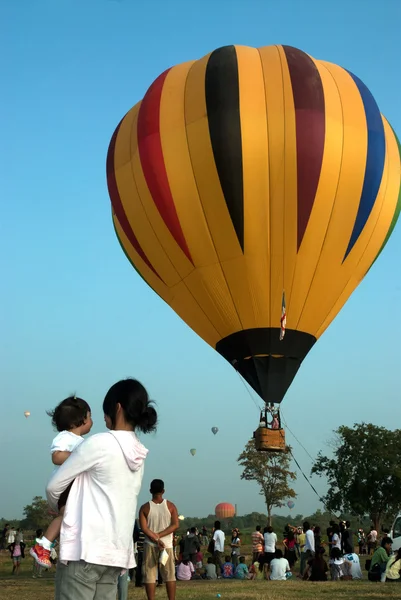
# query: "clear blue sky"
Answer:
x=75 y=317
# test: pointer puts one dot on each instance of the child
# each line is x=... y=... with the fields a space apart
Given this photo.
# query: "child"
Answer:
x=210 y=569
x=227 y=569
x=336 y=564
x=254 y=571
x=199 y=560
x=241 y=572
x=72 y=419
x=185 y=570
x=17 y=552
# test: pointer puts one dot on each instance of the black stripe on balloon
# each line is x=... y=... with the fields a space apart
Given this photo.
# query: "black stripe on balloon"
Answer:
x=267 y=363
x=223 y=112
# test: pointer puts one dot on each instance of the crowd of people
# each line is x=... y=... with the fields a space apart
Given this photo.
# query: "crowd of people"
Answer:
x=94 y=490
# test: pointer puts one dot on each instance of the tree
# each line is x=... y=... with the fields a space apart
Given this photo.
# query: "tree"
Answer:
x=271 y=472
x=37 y=514
x=364 y=475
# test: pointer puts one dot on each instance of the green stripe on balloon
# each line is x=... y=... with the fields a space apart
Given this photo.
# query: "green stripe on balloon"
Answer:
x=396 y=212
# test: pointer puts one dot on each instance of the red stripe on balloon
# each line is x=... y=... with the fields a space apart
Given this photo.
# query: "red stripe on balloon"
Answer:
x=117 y=204
x=152 y=161
x=309 y=107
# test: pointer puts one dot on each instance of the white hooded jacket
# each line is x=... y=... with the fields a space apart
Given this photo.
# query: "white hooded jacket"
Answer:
x=99 y=517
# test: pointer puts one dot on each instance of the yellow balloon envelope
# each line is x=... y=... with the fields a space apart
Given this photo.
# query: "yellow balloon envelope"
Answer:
x=252 y=190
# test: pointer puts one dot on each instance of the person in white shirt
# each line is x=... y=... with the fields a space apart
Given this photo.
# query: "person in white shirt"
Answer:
x=309 y=547
x=270 y=541
x=352 y=566
x=159 y=520
x=106 y=470
x=11 y=535
x=336 y=539
x=279 y=567
x=72 y=419
x=219 y=540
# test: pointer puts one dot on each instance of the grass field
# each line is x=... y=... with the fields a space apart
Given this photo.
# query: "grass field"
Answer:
x=23 y=587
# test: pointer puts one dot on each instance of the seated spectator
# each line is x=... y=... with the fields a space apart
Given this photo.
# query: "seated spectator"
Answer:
x=254 y=571
x=352 y=566
x=185 y=570
x=317 y=567
x=210 y=569
x=199 y=560
x=241 y=572
x=279 y=567
x=379 y=560
x=227 y=569
x=393 y=567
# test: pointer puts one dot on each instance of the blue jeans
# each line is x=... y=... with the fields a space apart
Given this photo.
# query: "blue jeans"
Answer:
x=122 y=587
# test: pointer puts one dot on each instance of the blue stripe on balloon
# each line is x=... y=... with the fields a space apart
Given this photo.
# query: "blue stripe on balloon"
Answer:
x=374 y=161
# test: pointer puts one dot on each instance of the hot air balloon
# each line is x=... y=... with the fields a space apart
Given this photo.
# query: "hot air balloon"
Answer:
x=224 y=510
x=253 y=189
x=215 y=430
x=27 y=414
x=193 y=451
x=290 y=504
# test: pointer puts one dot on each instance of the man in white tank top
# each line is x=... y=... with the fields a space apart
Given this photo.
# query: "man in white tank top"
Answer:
x=158 y=520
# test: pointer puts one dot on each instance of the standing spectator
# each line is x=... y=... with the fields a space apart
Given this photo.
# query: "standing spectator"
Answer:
x=270 y=540
x=19 y=536
x=309 y=548
x=257 y=543
x=11 y=535
x=37 y=569
x=289 y=545
x=219 y=539
x=336 y=538
x=372 y=540
x=235 y=547
x=361 y=541
x=301 y=537
x=191 y=546
x=4 y=536
x=336 y=564
x=158 y=520
x=17 y=552
x=122 y=586
x=107 y=469
x=205 y=539
x=348 y=539
x=318 y=537
x=329 y=532
x=139 y=539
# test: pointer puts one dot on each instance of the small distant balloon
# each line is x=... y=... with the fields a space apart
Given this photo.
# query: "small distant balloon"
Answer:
x=215 y=430
x=193 y=451
x=290 y=504
x=27 y=414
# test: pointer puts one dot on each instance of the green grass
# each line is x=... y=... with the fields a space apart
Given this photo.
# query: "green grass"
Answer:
x=24 y=587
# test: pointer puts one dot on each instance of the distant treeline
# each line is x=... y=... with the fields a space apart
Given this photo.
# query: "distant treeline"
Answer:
x=246 y=523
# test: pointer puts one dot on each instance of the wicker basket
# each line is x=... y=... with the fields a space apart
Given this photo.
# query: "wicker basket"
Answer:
x=270 y=440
